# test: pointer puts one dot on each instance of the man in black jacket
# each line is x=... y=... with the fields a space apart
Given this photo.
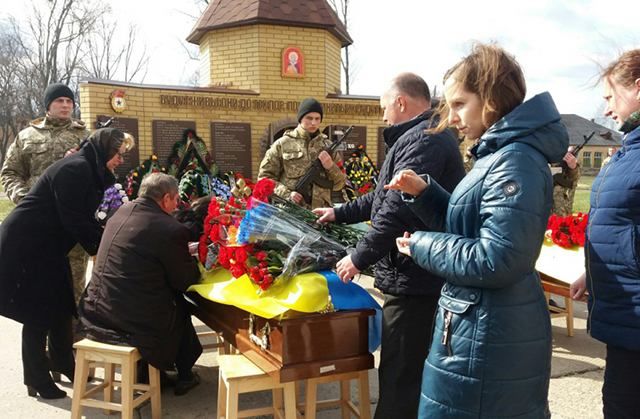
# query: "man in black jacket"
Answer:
x=411 y=293
x=142 y=268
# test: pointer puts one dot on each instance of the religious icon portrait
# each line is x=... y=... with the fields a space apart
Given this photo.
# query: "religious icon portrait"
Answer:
x=292 y=62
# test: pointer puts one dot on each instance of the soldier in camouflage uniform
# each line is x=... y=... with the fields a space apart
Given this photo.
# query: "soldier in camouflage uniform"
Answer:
x=565 y=184
x=36 y=147
x=291 y=155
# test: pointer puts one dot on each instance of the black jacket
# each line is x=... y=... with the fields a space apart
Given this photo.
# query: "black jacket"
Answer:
x=410 y=147
x=58 y=212
x=135 y=294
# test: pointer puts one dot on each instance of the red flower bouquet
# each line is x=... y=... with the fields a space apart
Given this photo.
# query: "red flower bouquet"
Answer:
x=567 y=231
x=247 y=235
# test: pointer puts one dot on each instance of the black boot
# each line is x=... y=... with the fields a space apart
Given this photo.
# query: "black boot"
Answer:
x=185 y=384
x=46 y=391
x=57 y=375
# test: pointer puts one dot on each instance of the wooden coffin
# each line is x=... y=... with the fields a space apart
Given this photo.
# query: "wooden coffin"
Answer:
x=296 y=345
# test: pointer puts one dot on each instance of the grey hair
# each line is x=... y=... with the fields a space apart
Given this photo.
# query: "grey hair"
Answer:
x=156 y=185
x=411 y=85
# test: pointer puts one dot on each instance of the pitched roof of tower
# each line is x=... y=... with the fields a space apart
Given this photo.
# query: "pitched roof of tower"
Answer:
x=302 y=13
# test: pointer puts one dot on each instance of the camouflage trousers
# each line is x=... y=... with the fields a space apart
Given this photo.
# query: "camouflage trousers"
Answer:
x=78 y=260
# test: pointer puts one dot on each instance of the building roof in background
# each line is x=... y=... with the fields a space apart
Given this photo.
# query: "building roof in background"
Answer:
x=580 y=127
x=301 y=13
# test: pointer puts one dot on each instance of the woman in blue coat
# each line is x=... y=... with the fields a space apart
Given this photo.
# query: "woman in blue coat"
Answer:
x=490 y=354
x=612 y=247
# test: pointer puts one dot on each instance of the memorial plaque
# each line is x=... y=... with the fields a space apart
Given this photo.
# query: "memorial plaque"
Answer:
x=165 y=134
x=382 y=148
x=132 y=158
x=231 y=147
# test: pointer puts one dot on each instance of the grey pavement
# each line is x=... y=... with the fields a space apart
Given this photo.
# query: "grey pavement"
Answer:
x=577 y=372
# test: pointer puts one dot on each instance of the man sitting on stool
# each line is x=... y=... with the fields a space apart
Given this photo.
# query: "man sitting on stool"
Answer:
x=142 y=268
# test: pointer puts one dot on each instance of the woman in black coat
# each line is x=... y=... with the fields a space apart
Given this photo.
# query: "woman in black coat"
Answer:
x=35 y=278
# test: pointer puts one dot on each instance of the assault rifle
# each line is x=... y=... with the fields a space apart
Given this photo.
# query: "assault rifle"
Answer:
x=561 y=178
x=586 y=140
x=312 y=174
x=105 y=124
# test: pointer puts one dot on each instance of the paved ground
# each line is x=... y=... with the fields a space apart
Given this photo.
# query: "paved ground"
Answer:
x=575 y=385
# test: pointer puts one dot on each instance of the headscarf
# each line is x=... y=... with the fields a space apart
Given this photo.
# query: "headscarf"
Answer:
x=107 y=142
x=99 y=148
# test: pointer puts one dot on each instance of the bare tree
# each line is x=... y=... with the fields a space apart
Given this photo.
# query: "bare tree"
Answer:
x=341 y=8
x=108 y=60
x=9 y=88
x=51 y=44
x=44 y=48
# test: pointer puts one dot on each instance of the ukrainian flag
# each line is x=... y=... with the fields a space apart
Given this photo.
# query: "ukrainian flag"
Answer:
x=308 y=293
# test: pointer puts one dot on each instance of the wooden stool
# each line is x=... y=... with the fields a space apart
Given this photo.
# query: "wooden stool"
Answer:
x=108 y=357
x=363 y=411
x=238 y=375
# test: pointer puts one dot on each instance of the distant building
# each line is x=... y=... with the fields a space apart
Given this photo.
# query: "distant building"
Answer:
x=258 y=60
x=592 y=154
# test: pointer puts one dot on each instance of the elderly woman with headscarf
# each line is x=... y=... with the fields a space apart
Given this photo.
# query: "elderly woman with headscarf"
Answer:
x=35 y=279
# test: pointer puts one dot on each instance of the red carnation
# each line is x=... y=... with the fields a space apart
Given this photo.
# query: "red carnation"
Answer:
x=236 y=270
x=263 y=189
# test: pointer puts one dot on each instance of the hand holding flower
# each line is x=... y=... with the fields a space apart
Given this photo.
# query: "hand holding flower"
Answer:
x=327 y=215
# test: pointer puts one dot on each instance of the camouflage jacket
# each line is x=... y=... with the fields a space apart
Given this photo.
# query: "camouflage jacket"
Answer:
x=289 y=158
x=36 y=147
x=564 y=190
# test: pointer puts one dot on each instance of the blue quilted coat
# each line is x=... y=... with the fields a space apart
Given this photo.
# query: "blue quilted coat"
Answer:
x=613 y=249
x=491 y=351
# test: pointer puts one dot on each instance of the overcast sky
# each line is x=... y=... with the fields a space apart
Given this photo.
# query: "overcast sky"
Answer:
x=559 y=44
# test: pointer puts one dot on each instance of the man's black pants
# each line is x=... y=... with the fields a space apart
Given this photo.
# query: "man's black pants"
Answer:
x=407 y=323
x=621 y=389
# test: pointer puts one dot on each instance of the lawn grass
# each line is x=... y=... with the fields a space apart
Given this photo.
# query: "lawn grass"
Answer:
x=5 y=208
x=581 y=199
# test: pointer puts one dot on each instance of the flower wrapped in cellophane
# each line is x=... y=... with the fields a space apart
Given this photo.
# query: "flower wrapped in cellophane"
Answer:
x=308 y=250
x=246 y=235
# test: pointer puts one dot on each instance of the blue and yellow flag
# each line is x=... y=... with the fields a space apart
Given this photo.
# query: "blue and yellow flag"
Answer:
x=308 y=293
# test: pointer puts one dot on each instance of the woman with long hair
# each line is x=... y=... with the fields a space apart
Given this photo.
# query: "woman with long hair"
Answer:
x=490 y=354
x=612 y=247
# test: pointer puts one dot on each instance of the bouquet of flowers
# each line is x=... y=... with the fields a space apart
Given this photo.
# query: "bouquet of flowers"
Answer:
x=113 y=198
x=247 y=235
x=362 y=175
x=567 y=231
